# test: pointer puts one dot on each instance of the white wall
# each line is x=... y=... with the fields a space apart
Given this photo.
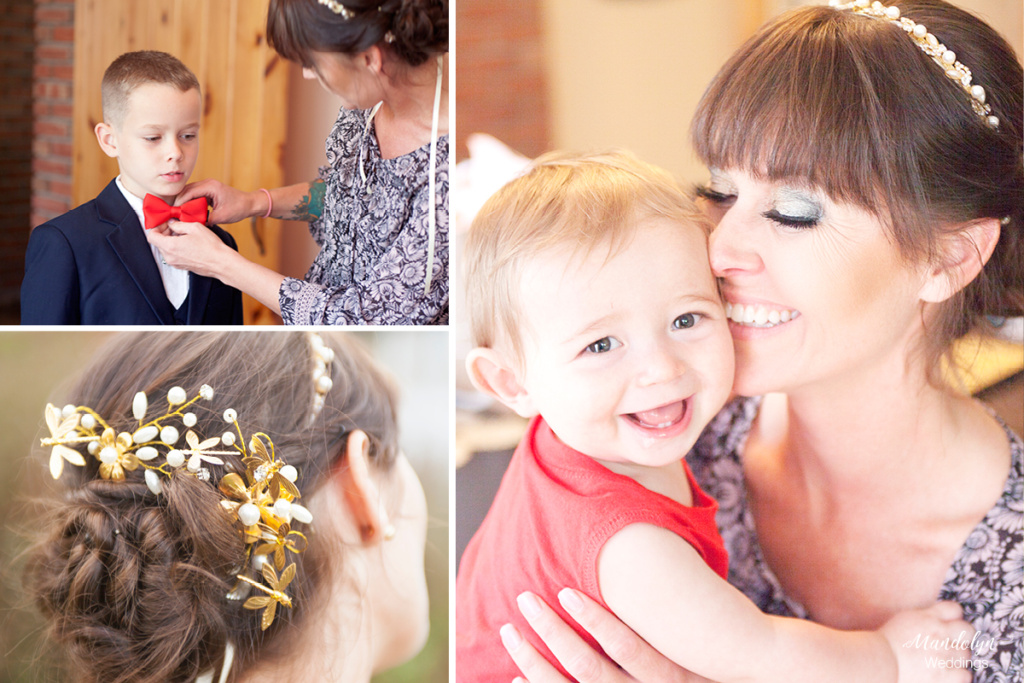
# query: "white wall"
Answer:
x=629 y=73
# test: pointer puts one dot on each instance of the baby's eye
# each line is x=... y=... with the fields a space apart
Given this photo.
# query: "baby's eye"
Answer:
x=686 y=321
x=188 y=136
x=152 y=138
x=603 y=345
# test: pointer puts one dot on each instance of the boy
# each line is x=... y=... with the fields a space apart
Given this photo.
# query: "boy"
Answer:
x=93 y=265
x=596 y=314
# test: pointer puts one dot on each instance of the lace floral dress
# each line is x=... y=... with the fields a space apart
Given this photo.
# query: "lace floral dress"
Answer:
x=986 y=577
x=373 y=236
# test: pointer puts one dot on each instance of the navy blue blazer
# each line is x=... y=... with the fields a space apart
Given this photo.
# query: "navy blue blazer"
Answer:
x=93 y=266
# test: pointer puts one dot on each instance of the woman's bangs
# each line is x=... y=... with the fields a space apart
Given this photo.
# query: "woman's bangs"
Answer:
x=795 y=108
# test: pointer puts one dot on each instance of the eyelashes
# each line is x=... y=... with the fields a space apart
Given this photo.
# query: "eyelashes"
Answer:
x=791 y=221
x=809 y=218
x=705 y=192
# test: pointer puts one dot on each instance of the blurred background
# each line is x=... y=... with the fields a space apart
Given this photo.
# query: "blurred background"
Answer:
x=37 y=367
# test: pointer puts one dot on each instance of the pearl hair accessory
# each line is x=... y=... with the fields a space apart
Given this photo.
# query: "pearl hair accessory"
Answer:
x=931 y=46
x=338 y=8
x=262 y=503
x=347 y=14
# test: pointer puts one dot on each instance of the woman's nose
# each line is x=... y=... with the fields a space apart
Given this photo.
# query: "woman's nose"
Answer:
x=732 y=247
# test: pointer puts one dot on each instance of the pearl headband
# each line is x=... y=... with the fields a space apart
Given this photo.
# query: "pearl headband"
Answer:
x=931 y=46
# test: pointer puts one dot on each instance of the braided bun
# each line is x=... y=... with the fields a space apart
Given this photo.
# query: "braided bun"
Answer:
x=133 y=583
x=420 y=29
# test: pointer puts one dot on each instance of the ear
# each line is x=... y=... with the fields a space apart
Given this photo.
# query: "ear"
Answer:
x=963 y=256
x=492 y=374
x=362 y=498
x=107 y=138
x=373 y=59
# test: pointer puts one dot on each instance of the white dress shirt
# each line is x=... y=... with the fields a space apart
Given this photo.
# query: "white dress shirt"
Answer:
x=175 y=279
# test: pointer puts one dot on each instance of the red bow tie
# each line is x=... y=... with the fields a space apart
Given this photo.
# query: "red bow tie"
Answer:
x=158 y=212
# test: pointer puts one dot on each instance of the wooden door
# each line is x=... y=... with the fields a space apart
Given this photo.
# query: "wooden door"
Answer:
x=244 y=86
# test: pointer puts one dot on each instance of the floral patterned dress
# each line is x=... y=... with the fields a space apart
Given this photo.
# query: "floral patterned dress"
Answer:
x=373 y=236
x=986 y=577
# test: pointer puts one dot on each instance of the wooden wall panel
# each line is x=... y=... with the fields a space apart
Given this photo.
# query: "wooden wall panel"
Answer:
x=244 y=89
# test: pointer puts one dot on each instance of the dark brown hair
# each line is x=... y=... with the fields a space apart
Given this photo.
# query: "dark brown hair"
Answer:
x=132 y=69
x=849 y=104
x=134 y=584
x=419 y=28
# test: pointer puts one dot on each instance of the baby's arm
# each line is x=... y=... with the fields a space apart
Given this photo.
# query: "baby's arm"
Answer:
x=681 y=607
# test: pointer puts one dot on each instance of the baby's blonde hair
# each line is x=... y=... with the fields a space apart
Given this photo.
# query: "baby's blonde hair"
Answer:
x=579 y=201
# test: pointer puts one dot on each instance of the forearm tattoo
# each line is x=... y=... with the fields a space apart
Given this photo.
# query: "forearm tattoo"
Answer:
x=311 y=206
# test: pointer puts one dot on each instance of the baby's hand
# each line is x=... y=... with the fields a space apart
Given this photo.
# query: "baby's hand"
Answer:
x=932 y=645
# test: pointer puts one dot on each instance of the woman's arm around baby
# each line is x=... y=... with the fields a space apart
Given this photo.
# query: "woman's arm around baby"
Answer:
x=685 y=610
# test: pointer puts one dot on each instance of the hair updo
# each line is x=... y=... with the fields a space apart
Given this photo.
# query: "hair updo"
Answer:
x=411 y=30
x=133 y=584
x=849 y=104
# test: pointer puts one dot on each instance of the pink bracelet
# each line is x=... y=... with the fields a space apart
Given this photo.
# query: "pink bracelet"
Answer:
x=270 y=202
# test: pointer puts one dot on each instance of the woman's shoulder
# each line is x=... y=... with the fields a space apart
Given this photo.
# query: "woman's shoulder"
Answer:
x=986 y=575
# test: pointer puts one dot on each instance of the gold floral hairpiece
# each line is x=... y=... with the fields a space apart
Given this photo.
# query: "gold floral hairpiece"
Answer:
x=262 y=503
x=930 y=45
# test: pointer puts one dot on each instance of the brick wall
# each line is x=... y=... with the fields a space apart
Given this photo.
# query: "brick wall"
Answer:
x=53 y=76
x=501 y=88
x=16 y=46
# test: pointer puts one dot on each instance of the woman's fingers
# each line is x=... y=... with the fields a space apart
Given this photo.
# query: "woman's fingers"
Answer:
x=228 y=204
x=581 y=661
x=630 y=651
x=191 y=246
x=204 y=188
x=530 y=662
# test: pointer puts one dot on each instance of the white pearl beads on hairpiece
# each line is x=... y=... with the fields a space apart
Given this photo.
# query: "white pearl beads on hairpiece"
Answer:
x=931 y=46
x=338 y=8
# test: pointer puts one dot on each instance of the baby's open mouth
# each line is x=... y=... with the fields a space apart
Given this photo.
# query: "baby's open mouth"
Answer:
x=661 y=417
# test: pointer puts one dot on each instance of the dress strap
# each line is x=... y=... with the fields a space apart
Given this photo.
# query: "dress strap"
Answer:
x=432 y=218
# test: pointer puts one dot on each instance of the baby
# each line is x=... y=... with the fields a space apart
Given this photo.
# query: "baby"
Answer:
x=93 y=265
x=595 y=313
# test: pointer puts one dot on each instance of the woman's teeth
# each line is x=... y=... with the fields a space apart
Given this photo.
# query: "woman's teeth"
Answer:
x=757 y=315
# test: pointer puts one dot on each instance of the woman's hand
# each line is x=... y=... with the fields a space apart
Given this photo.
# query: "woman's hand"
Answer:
x=639 y=660
x=191 y=246
x=229 y=205
x=931 y=645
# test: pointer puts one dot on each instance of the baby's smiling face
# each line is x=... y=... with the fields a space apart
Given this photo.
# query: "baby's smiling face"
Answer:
x=627 y=355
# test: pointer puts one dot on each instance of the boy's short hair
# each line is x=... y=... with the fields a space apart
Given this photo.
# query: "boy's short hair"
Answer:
x=580 y=201
x=132 y=69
